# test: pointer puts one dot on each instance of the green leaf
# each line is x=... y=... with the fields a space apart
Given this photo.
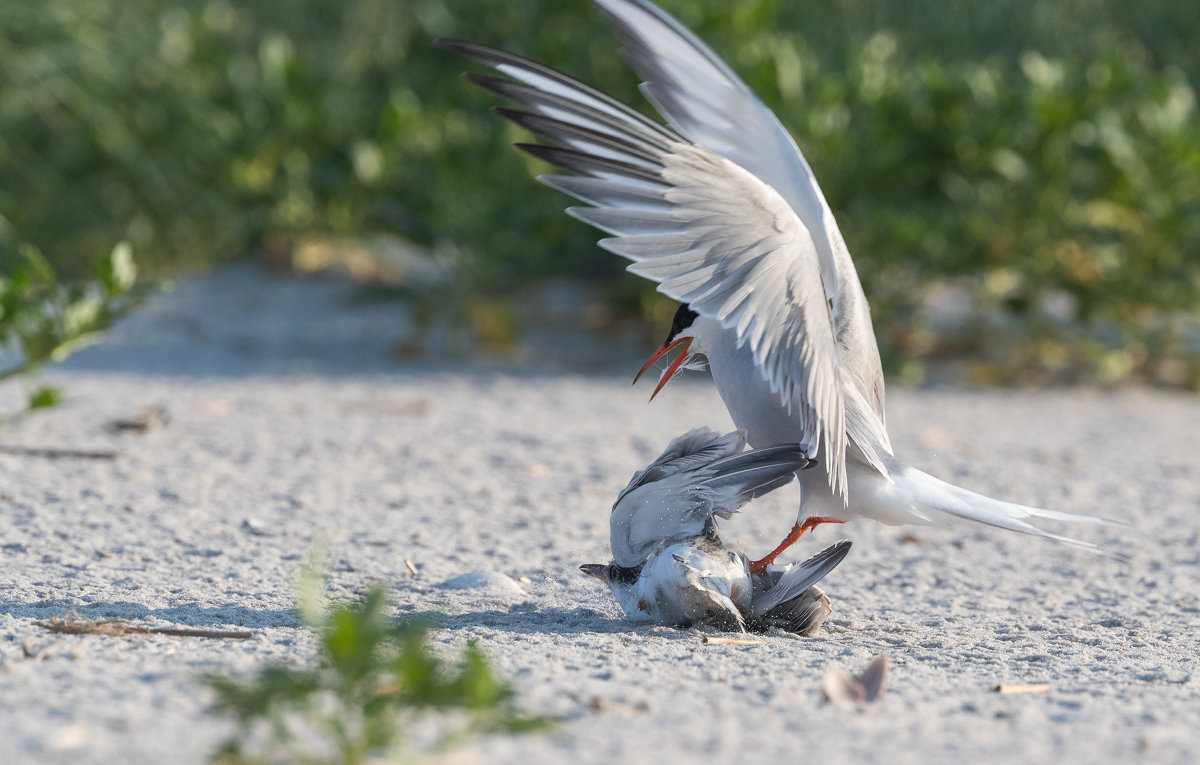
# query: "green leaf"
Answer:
x=45 y=397
x=117 y=271
x=371 y=678
x=310 y=587
x=47 y=320
x=81 y=316
x=37 y=269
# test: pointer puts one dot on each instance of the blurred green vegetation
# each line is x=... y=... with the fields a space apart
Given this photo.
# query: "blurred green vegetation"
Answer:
x=44 y=320
x=1041 y=157
x=373 y=682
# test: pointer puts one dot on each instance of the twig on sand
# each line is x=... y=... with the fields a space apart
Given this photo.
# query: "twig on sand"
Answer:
x=732 y=641
x=78 y=625
x=408 y=564
x=58 y=454
x=1018 y=688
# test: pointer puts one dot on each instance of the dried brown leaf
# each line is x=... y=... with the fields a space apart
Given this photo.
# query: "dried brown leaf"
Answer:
x=840 y=687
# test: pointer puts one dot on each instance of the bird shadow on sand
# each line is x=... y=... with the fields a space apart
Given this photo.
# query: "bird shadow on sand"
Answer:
x=527 y=618
x=190 y=615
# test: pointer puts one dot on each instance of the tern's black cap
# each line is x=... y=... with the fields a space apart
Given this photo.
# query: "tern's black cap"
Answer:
x=683 y=319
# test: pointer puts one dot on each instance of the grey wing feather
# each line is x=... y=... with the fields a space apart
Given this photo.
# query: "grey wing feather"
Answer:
x=802 y=615
x=659 y=504
x=697 y=92
x=801 y=576
x=709 y=231
x=738 y=479
x=697 y=447
x=866 y=428
x=698 y=476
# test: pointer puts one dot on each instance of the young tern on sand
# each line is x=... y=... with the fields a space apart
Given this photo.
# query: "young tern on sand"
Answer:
x=669 y=565
x=721 y=209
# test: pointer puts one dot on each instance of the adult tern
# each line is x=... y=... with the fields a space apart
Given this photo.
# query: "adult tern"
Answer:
x=720 y=208
x=669 y=565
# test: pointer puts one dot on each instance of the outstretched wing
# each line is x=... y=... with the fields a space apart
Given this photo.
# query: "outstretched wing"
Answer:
x=712 y=234
x=699 y=476
x=707 y=103
x=694 y=449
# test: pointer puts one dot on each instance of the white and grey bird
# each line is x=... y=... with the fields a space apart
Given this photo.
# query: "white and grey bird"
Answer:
x=669 y=565
x=720 y=208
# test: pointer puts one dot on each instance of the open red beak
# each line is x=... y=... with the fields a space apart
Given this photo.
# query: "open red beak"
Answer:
x=672 y=368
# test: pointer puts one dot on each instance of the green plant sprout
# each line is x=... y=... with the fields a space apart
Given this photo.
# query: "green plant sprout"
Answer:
x=45 y=320
x=373 y=679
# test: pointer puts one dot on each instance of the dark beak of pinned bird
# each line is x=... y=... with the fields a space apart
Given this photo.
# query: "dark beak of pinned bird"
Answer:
x=672 y=368
x=598 y=570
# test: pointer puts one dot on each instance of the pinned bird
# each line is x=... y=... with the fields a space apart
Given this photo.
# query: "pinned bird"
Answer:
x=669 y=565
x=721 y=209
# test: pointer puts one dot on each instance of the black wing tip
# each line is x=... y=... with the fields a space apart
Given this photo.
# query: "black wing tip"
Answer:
x=538 y=150
x=833 y=554
x=487 y=82
x=492 y=57
x=505 y=88
x=839 y=550
x=583 y=163
x=480 y=53
x=839 y=547
x=470 y=49
x=567 y=159
x=461 y=47
x=789 y=451
x=532 y=122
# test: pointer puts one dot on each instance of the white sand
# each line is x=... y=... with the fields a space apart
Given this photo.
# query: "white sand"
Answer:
x=289 y=423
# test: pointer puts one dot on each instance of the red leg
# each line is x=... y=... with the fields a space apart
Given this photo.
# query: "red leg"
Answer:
x=758 y=566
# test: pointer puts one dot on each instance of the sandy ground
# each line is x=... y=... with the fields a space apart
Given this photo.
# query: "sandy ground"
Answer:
x=290 y=423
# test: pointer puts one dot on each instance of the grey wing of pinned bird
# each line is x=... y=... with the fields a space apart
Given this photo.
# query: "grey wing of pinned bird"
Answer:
x=699 y=476
x=735 y=480
x=693 y=449
x=802 y=615
x=797 y=579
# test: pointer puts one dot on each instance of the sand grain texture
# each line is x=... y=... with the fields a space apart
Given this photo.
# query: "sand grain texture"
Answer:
x=288 y=423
